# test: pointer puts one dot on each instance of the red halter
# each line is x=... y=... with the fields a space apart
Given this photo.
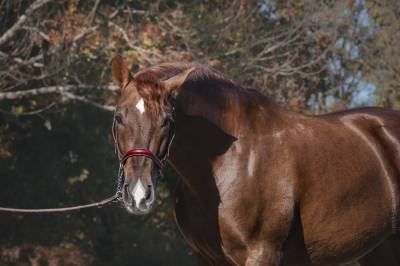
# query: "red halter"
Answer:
x=142 y=152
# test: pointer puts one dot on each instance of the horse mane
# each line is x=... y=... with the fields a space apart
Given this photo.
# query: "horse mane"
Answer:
x=167 y=70
x=209 y=94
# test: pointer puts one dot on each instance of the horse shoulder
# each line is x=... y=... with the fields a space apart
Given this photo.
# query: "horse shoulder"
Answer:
x=198 y=224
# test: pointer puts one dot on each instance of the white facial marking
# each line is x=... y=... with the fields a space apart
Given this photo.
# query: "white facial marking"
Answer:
x=138 y=192
x=140 y=106
x=251 y=164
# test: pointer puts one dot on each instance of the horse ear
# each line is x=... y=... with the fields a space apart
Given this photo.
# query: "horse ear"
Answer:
x=120 y=72
x=173 y=85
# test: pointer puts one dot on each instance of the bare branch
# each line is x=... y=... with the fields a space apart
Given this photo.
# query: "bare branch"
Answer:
x=129 y=42
x=72 y=96
x=34 y=112
x=93 y=12
x=55 y=50
x=21 y=21
x=12 y=95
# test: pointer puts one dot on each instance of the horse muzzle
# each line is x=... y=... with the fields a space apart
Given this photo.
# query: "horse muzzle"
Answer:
x=139 y=199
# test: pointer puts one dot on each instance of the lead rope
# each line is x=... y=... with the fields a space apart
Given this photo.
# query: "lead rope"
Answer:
x=115 y=198
x=118 y=194
x=99 y=204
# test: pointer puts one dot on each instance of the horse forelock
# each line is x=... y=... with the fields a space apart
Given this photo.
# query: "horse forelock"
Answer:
x=148 y=87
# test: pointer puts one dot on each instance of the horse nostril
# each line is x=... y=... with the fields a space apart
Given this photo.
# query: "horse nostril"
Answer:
x=148 y=192
x=142 y=204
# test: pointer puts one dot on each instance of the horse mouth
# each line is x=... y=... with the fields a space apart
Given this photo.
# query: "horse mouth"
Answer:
x=138 y=211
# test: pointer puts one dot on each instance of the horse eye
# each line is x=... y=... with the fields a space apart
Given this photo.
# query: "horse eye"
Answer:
x=118 y=118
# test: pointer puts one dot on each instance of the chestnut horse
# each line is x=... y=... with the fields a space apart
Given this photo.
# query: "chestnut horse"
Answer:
x=260 y=185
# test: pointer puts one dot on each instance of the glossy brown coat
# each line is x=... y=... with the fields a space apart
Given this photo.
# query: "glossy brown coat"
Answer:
x=261 y=185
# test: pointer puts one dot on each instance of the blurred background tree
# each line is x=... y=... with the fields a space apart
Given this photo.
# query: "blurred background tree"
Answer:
x=56 y=101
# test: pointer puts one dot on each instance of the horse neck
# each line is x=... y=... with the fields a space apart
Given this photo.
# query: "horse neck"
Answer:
x=209 y=120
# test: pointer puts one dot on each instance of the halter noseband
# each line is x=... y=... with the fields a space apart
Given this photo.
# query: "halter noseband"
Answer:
x=141 y=152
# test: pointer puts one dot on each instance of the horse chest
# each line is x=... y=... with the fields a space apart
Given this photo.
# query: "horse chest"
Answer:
x=201 y=227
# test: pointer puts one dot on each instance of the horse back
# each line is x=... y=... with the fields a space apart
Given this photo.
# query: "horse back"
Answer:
x=382 y=127
x=349 y=182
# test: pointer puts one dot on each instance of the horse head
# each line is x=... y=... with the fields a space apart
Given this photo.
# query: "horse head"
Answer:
x=143 y=131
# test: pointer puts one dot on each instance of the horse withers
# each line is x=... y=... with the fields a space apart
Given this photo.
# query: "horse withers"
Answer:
x=259 y=185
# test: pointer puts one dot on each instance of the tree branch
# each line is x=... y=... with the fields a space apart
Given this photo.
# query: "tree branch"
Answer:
x=72 y=96
x=21 y=21
x=20 y=62
x=12 y=95
x=34 y=112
